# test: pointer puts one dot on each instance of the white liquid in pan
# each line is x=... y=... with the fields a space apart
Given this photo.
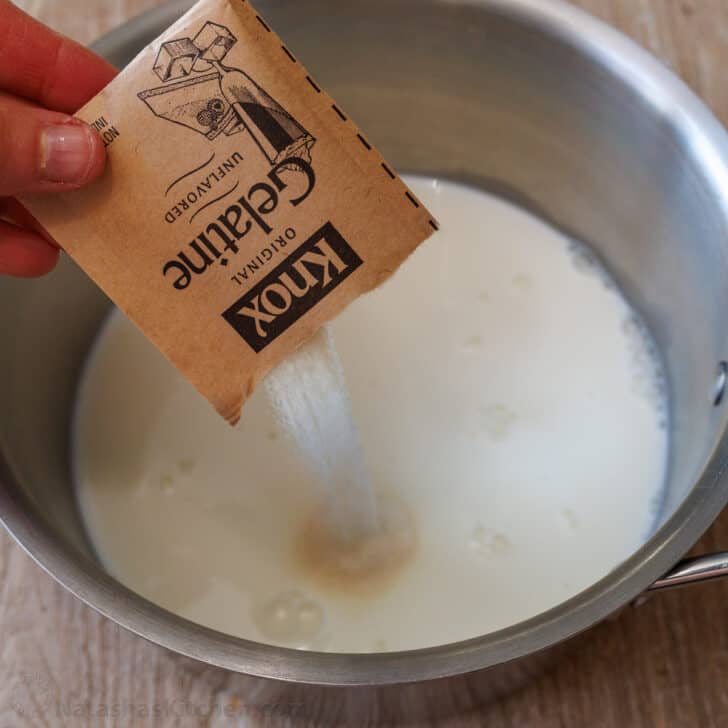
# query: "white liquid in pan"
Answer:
x=512 y=418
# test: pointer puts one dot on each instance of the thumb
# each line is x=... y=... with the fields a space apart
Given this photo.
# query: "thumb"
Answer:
x=45 y=151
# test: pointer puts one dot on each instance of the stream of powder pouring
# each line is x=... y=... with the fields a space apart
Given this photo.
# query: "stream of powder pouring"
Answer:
x=311 y=403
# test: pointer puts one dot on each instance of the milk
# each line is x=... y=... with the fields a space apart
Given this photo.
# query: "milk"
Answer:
x=513 y=423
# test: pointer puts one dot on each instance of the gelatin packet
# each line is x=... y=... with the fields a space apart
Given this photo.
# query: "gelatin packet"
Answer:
x=241 y=209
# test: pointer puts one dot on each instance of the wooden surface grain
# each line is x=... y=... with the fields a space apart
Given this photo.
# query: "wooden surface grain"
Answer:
x=663 y=664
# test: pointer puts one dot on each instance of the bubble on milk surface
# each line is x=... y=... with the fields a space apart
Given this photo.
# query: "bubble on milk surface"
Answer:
x=570 y=518
x=522 y=281
x=473 y=343
x=486 y=542
x=496 y=420
x=290 y=618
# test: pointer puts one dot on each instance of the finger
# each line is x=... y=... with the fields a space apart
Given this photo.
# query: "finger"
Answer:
x=43 y=66
x=24 y=253
x=12 y=211
x=44 y=151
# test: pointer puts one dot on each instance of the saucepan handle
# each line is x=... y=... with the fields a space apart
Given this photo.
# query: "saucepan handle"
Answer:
x=694 y=569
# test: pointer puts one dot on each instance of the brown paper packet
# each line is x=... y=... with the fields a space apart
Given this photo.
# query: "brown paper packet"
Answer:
x=241 y=209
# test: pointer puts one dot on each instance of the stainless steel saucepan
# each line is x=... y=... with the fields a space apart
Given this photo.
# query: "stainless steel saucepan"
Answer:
x=533 y=100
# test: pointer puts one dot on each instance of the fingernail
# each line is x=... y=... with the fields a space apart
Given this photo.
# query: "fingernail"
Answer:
x=66 y=153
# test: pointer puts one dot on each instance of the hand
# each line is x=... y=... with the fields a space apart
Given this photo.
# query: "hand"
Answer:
x=44 y=78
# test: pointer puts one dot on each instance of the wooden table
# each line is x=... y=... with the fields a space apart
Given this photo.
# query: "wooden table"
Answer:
x=664 y=664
